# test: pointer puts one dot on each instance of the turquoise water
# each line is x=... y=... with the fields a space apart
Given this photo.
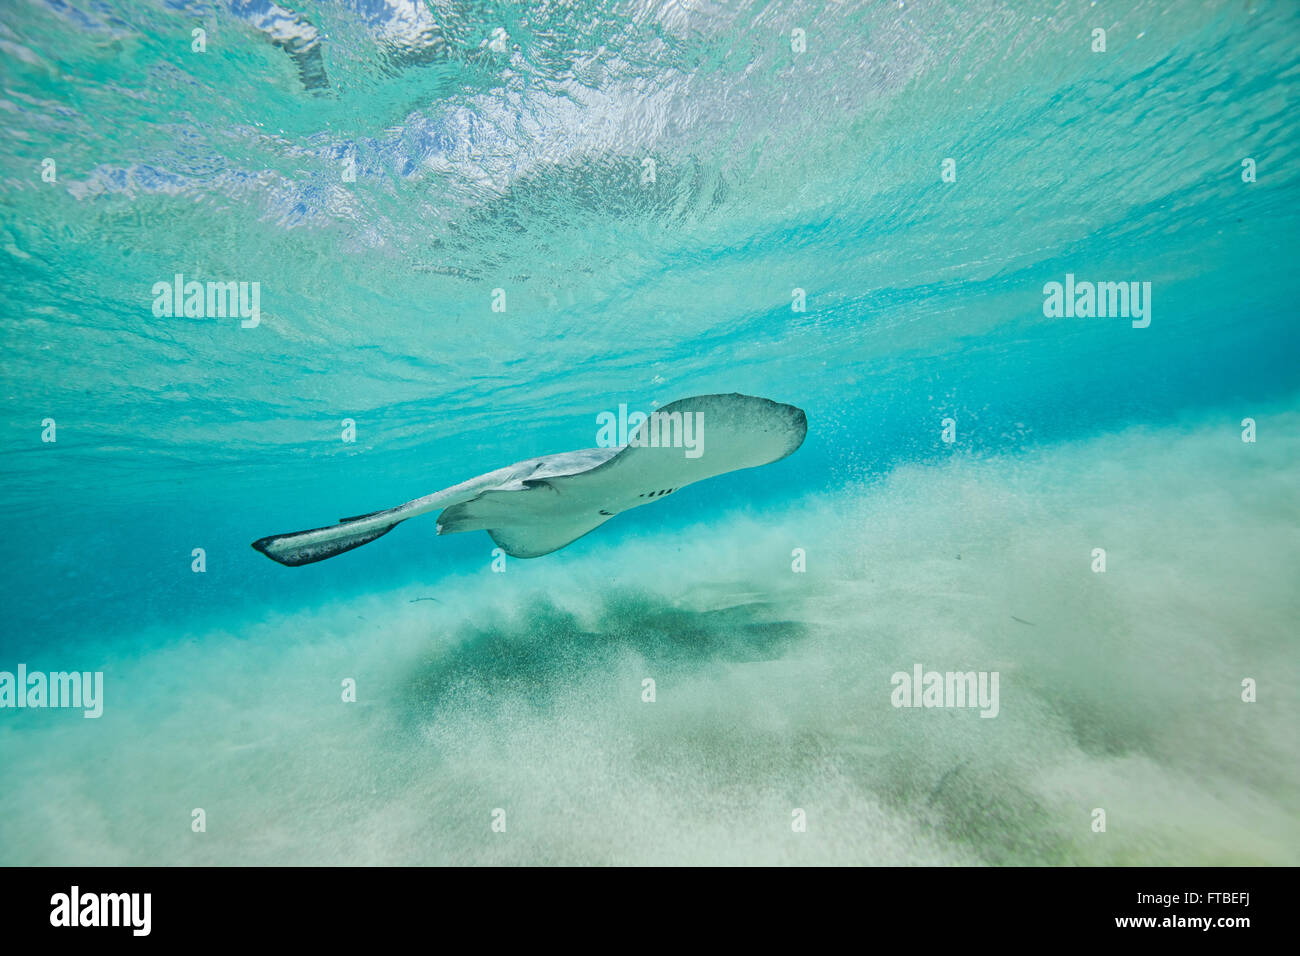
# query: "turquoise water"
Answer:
x=382 y=168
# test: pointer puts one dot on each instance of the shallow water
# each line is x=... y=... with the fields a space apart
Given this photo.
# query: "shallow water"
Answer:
x=521 y=168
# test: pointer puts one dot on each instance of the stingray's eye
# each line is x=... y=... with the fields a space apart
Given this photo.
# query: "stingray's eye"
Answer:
x=604 y=512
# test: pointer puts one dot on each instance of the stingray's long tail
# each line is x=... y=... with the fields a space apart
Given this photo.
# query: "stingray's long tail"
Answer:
x=306 y=547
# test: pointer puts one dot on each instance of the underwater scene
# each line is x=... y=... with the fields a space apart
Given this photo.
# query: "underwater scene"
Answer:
x=669 y=432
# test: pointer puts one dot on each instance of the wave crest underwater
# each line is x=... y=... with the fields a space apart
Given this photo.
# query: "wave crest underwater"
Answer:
x=643 y=187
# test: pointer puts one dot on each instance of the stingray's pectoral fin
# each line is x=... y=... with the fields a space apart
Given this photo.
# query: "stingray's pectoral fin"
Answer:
x=307 y=547
x=525 y=524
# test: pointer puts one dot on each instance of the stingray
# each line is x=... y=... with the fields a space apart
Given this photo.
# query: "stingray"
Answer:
x=538 y=506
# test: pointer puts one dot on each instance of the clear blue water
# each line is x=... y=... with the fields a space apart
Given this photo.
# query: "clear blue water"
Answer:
x=515 y=160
